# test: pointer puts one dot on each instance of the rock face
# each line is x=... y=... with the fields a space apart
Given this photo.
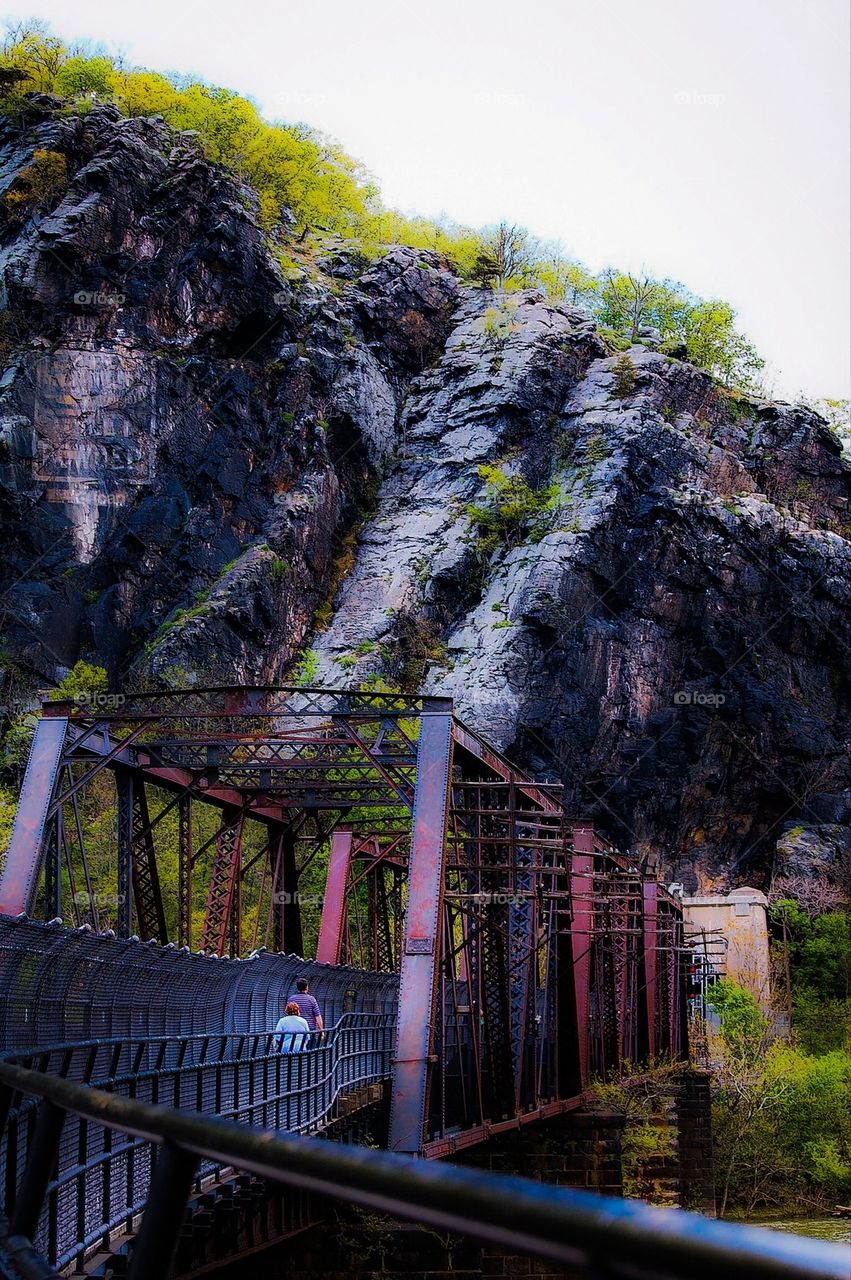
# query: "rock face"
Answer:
x=211 y=443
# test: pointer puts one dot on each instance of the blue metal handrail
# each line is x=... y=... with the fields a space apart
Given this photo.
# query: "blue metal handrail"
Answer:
x=624 y=1238
x=245 y=1080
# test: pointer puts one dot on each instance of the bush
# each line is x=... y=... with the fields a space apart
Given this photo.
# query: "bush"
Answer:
x=512 y=511
x=8 y=805
x=781 y=1116
x=307 y=668
x=743 y=1026
x=498 y=325
x=624 y=374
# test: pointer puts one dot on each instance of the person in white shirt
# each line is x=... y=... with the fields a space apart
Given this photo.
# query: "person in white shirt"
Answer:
x=291 y=1030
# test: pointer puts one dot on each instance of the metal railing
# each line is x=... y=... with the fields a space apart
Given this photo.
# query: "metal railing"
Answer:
x=101 y=1184
x=622 y=1238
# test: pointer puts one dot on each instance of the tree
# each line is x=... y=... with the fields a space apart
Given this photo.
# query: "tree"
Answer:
x=506 y=258
x=628 y=303
x=712 y=342
x=30 y=48
x=567 y=280
x=781 y=1116
x=84 y=75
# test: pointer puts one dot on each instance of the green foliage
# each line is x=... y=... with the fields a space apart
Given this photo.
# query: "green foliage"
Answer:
x=596 y=449
x=8 y=805
x=641 y=1094
x=279 y=569
x=782 y=1112
x=84 y=75
x=567 y=281
x=288 y=165
x=82 y=681
x=499 y=323
x=340 y=568
x=708 y=331
x=701 y=330
x=743 y=1026
x=293 y=167
x=511 y=512
x=307 y=668
x=624 y=374
x=783 y=1131
x=506 y=258
x=820 y=964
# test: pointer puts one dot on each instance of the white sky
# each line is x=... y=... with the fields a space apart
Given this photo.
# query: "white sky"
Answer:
x=706 y=142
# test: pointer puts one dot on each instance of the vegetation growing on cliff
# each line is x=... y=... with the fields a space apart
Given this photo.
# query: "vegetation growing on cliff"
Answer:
x=512 y=510
x=307 y=184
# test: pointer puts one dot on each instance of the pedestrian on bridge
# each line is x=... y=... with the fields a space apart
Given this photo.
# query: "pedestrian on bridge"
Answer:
x=307 y=1005
x=291 y=1030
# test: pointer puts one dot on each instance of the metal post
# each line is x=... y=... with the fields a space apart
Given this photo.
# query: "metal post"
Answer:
x=581 y=889
x=184 y=872
x=171 y=1186
x=41 y=1161
x=293 y=943
x=329 y=947
x=124 y=790
x=227 y=865
x=19 y=880
x=415 y=1025
x=150 y=912
x=53 y=867
x=649 y=941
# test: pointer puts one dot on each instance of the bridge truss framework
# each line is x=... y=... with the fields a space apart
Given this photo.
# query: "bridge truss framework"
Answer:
x=532 y=956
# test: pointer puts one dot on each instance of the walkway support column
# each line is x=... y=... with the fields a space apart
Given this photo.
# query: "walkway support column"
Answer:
x=420 y=961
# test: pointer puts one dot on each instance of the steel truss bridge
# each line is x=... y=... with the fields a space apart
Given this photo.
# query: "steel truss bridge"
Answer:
x=479 y=955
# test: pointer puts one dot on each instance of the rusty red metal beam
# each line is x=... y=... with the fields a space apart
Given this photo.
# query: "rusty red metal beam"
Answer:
x=417 y=984
x=328 y=948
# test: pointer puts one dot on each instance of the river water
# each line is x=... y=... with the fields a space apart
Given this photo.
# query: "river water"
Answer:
x=836 y=1229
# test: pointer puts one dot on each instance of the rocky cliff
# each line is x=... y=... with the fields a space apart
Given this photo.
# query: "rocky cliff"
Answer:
x=227 y=459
